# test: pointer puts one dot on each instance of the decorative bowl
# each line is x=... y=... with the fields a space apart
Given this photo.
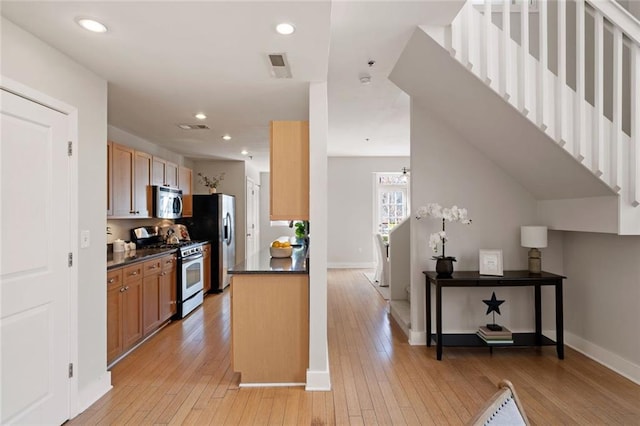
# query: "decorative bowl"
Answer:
x=281 y=251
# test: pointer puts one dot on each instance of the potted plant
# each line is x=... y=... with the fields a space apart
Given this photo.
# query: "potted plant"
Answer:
x=444 y=264
x=211 y=183
x=302 y=229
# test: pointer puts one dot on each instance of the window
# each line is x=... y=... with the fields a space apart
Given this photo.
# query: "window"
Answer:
x=392 y=200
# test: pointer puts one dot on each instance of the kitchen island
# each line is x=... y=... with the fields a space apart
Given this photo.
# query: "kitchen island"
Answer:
x=270 y=319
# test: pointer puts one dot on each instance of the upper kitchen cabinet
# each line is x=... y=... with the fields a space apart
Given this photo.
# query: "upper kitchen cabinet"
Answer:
x=109 y=180
x=185 y=177
x=289 y=174
x=128 y=184
x=164 y=173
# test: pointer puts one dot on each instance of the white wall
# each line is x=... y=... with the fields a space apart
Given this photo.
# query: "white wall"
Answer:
x=351 y=200
x=448 y=170
x=33 y=63
x=601 y=298
x=234 y=183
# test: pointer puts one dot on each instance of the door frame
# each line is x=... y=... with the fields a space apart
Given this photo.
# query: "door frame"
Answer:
x=71 y=112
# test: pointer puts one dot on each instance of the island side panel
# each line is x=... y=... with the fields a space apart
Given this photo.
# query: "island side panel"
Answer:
x=270 y=327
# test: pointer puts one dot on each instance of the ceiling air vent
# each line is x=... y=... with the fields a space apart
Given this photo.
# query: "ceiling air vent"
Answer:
x=279 y=65
x=193 y=126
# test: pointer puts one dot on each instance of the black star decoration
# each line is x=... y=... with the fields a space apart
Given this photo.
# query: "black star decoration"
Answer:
x=493 y=305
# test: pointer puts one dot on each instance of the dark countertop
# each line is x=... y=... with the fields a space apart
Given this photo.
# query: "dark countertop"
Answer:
x=117 y=260
x=263 y=263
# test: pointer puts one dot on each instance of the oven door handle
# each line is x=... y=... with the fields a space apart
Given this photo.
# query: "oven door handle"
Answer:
x=190 y=258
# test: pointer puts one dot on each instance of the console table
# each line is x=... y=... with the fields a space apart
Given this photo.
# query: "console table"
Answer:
x=510 y=279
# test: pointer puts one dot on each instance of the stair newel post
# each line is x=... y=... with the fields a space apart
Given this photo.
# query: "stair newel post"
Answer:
x=485 y=49
x=597 y=147
x=541 y=97
x=561 y=115
x=523 y=77
x=505 y=51
x=634 y=148
x=616 y=131
x=579 y=135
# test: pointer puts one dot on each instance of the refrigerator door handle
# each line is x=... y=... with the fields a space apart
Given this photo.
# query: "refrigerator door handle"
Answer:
x=227 y=229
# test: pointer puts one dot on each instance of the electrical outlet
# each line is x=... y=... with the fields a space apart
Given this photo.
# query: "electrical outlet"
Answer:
x=85 y=239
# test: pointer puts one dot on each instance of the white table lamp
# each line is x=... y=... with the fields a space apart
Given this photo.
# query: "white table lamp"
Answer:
x=534 y=237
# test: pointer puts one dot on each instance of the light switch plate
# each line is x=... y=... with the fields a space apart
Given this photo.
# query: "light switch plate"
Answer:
x=85 y=239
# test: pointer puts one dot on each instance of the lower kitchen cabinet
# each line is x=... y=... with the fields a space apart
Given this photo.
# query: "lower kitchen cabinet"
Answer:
x=140 y=298
x=206 y=257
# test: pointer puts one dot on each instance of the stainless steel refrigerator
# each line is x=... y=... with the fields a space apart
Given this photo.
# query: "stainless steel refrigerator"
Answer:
x=214 y=220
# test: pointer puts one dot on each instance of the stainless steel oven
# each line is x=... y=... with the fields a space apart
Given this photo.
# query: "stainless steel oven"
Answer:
x=190 y=282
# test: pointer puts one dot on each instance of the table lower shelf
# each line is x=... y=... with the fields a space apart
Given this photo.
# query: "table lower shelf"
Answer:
x=472 y=340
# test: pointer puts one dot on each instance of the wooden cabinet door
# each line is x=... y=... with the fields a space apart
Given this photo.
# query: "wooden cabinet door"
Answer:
x=151 y=295
x=157 y=175
x=206 y=281
x=109 y=178
x=289 y=172
x=142 y=184
x=185 y=176
x=122 y=180
x=114 y=314
x=171 y=174
x=132 y=313
x=168 y=288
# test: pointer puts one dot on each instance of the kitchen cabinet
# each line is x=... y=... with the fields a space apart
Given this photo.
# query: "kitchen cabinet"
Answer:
x=109 y=179
x=206 y=259
x=128 y=184
x=164 y=173
x=168 y=288
x=185 y=177
x=270 y=317
x=289 y=170
x=151 y=295
x=140 y=298
x=114 y=314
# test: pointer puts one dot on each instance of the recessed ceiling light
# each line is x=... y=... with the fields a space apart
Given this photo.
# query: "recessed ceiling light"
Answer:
x=227 y=137
x=244 y=152
x=91 y=25
x=285 y=28
x=200 y=116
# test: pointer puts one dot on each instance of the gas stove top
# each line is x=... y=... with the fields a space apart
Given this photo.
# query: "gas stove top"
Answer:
x=186 y=248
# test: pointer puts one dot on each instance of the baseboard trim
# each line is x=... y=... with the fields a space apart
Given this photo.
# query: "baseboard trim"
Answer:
x=318 y=381
x=363 y=265
x=93 y=392
x=270 y=385
x=417 y=338
x=601 y=355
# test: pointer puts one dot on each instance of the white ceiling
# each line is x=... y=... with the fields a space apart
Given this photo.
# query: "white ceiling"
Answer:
x=166 y=61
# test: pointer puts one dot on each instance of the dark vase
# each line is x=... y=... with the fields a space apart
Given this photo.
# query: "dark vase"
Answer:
x=444 y=266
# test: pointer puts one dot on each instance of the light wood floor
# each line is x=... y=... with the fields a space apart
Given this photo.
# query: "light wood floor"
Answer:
x=182 y=376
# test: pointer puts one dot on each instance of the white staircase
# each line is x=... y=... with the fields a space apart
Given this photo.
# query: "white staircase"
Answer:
x=591 y=111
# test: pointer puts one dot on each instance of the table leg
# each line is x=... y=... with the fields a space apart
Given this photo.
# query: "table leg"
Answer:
x=438 y=322
x=538 y=309
x=428 y=310
x=559 y=321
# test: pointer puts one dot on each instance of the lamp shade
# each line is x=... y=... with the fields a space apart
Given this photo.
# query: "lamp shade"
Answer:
x=533 y=236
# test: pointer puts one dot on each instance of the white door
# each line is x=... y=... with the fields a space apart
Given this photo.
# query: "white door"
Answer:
x=34 y=274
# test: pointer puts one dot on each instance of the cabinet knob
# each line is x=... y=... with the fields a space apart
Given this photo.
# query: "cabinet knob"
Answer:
x=134 y=273
x=154 y=266
x=126 y=288
x=111 y=280
x=132 y=212
x=122 y=290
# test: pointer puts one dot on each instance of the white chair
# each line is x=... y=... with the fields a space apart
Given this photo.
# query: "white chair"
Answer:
x=504 y=408
x=382 y=271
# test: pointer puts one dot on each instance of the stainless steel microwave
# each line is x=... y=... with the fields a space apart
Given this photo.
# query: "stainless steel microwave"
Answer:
x=167 y=202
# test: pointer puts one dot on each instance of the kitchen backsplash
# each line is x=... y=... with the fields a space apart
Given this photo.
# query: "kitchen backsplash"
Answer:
x=121 y=228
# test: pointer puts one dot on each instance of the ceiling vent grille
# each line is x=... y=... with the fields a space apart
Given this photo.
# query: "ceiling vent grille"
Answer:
x=279 y=65
x=193 y=126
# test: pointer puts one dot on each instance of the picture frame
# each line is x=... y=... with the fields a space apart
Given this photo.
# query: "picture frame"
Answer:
x=491 y=262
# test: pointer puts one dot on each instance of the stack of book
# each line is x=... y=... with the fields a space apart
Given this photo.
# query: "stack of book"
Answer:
x=502 y=337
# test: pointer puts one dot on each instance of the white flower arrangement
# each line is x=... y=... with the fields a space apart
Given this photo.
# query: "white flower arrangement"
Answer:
x=453 y=214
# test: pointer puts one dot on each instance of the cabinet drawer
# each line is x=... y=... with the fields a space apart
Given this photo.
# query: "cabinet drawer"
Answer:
x=133 y=272
x=114 y=278
x=151 y=267
x=168 y=263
